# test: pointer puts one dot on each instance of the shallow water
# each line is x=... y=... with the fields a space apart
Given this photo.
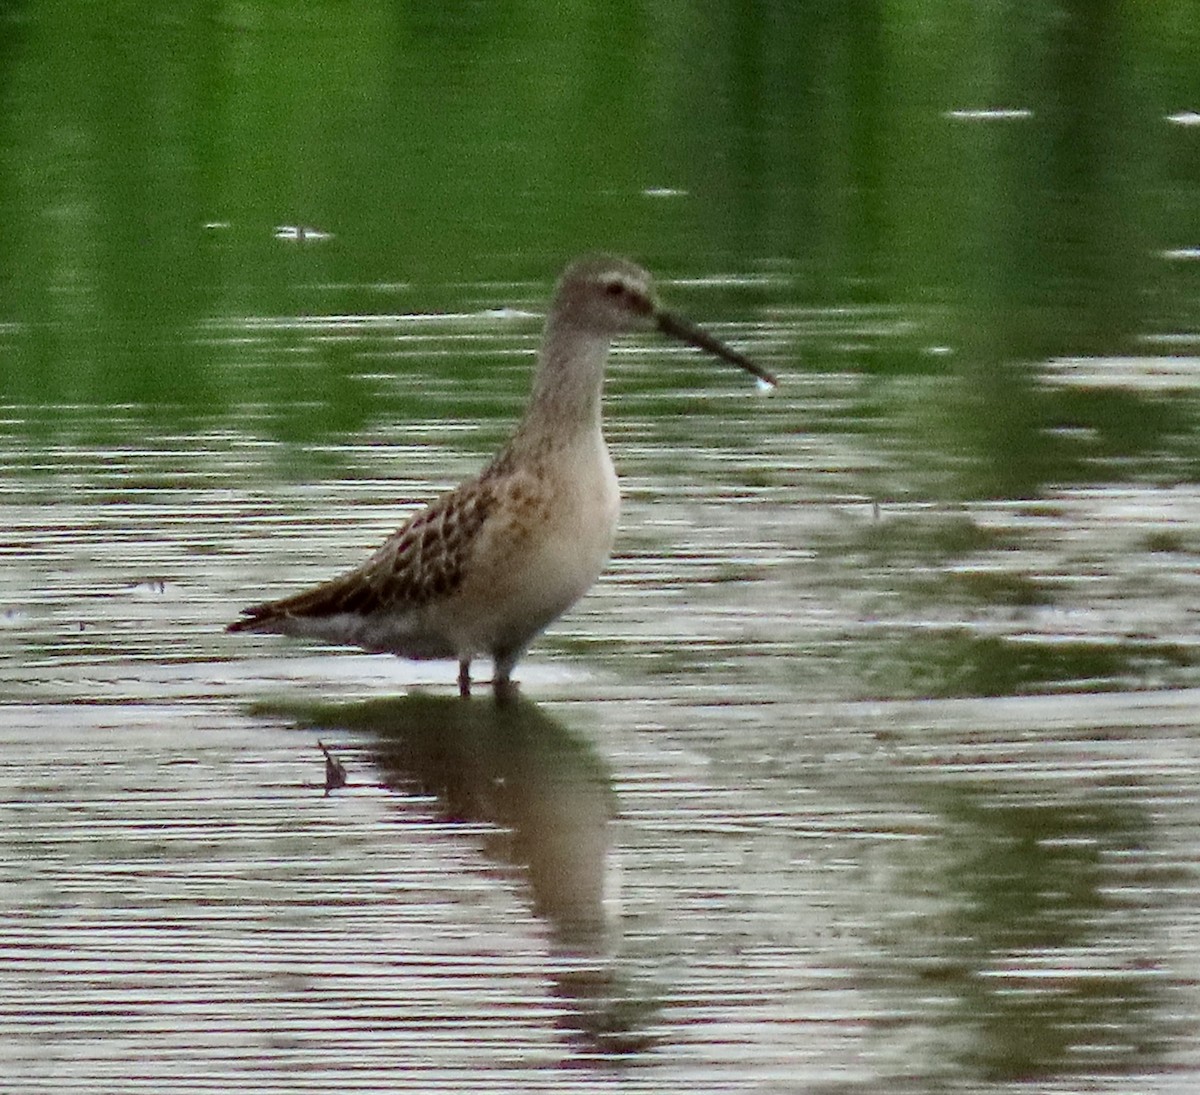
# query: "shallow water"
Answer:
x=821 y=788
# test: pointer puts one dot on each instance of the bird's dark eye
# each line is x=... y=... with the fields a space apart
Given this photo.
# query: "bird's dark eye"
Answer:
x=614 y=288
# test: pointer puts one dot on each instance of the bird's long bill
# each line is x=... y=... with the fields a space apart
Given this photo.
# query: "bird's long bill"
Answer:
x=671 y=324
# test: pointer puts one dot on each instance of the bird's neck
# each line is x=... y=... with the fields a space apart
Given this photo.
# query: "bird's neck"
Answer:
x=567 y=387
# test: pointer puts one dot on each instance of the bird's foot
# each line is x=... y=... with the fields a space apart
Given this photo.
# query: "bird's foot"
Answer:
x=506 y=691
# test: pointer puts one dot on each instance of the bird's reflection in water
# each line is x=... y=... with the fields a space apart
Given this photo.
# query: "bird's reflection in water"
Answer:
x=550 y=797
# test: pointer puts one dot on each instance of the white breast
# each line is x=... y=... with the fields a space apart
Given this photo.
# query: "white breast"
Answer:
x=530 y=573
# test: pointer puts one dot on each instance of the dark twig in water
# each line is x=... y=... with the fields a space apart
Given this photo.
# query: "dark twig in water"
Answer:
x=335 y=771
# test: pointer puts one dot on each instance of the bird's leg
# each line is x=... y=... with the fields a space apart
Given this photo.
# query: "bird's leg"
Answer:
x=464 y=678
x=504 y=688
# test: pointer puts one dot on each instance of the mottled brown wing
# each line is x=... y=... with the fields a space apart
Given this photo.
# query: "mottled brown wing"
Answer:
x=420 y=562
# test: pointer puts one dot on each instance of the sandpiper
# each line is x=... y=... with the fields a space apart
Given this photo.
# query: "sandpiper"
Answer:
x=486 y=567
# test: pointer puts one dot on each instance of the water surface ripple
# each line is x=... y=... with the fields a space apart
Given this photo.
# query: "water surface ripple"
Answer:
x=826 y=786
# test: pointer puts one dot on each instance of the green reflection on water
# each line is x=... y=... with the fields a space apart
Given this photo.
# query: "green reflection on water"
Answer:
x=1044 y=967
x=956 y=662
x=999 y=190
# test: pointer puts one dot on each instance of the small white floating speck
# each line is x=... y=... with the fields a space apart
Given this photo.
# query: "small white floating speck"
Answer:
x=999 y=114
x=216 y=226
x=300 y=233
x=663 y=192
x=743 y=281
x=1184 y=117
x=1181 y=254
x=508 y=313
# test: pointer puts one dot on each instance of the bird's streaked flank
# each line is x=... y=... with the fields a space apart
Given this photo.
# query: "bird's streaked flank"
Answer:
x=485 y=568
